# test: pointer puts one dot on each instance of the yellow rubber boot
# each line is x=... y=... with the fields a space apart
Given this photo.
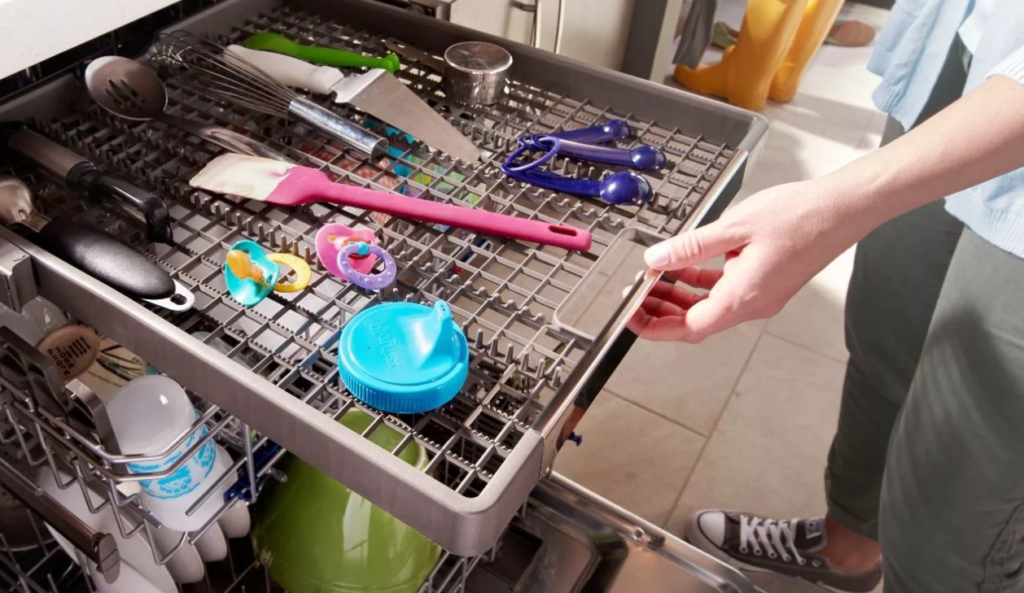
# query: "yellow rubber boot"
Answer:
x=744 y=76
x=819 y=17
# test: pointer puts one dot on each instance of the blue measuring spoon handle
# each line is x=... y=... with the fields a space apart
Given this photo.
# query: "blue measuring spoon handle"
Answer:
x=643 y=157
x=622 y=188
x=550 y=147
x=613 y=129
x=559 y=183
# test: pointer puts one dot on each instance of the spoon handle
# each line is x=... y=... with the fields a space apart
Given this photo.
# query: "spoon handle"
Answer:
x=224 y=138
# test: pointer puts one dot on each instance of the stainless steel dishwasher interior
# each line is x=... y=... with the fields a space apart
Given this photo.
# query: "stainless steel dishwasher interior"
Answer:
x=278 y=379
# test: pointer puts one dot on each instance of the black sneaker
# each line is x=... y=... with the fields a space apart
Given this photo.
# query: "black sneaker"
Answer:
x=757 y=544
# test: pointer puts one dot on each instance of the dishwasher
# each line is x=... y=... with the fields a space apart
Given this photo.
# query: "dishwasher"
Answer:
x=264 y=379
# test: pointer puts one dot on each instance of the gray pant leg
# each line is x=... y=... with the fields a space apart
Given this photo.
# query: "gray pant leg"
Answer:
x=898 y=272
x=952 y=511
x=695 y=37
x=897 y=276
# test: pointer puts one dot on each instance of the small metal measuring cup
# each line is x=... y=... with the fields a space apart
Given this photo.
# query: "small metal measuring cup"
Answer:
x=474 y=72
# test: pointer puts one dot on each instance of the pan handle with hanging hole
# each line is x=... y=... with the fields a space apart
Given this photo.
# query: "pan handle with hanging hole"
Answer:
x=105 y=258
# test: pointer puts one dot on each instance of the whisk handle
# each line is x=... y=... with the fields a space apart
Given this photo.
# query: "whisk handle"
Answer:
x=290 y=71
x=347 y=132
x=225 y=138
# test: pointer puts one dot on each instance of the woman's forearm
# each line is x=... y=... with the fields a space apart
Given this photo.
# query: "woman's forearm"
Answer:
x=977 y=138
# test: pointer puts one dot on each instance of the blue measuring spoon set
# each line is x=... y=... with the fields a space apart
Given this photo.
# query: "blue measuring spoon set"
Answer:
x=621 y=188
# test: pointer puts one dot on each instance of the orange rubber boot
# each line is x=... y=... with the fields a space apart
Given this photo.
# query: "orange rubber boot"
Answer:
x=814 y=28
x=744 y=76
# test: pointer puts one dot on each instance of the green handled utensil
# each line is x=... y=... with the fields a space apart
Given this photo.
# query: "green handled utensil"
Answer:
x=327 y=56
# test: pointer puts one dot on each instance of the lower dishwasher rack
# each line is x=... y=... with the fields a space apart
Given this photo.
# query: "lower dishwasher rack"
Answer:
x=495 y=441
x=565 y=539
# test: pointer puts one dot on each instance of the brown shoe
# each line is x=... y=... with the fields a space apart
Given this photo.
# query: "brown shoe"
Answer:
x=850 y=34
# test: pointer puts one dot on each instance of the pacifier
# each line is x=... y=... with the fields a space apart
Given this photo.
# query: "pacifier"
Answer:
x=353 y=252
x=249 y=274
x=295 y=272
x=331 y=239
x=403 y=358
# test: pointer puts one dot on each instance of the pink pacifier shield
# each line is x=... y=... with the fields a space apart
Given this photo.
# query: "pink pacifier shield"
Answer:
x=330 y=240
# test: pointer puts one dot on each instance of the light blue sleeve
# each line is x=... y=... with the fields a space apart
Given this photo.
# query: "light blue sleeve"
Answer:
x=1011 y=67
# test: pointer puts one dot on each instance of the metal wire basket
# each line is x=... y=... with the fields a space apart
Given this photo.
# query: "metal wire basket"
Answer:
x=50 y=426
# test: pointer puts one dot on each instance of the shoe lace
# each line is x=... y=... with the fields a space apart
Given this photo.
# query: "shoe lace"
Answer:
x=776 y=538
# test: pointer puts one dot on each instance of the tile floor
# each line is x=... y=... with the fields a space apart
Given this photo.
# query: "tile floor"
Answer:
x=745 y=419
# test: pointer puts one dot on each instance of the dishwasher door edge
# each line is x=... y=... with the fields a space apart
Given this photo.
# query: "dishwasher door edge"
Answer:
x=591 y=510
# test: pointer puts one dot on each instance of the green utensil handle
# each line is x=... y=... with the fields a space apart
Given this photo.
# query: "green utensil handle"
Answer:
x=327 y=56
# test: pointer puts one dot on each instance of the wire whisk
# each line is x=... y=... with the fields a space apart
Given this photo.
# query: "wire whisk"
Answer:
x=206 y=68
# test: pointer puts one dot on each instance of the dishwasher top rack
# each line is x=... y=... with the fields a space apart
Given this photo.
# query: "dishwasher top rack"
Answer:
x=487 y=447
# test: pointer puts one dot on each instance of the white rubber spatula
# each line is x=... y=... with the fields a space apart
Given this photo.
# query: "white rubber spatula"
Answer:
x=376 y=92
x=285 y=184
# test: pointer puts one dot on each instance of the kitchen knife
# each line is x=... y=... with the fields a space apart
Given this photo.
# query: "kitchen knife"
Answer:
x=411 y=53
x=81 y=174
x=376 y=92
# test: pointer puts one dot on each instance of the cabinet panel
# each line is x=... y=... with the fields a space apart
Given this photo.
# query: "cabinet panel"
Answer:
x=34 y=30
x=489 y=16
x=594 y=31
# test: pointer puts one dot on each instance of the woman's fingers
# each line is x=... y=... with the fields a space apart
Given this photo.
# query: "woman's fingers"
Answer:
x=677 y=295
x=707 y=317
x=671 y=312
x=656 y=307
x=638 y=322
x=693 y=247
x=665 y=301
x=697 y=277
x=773 y=243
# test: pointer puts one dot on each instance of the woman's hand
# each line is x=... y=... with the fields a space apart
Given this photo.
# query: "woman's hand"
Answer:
x=774 y=242
x=777 y=240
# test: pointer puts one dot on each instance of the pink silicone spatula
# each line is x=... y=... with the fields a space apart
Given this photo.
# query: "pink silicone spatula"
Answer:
x=285 y=184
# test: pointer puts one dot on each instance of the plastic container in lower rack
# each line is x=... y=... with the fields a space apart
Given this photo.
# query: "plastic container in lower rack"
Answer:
x=147 y=415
